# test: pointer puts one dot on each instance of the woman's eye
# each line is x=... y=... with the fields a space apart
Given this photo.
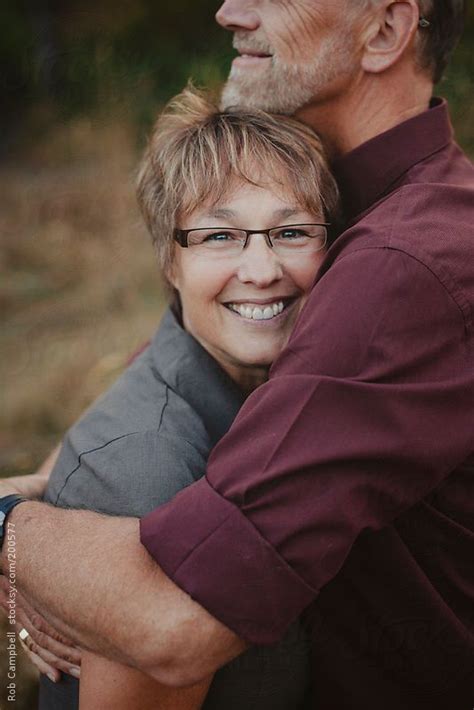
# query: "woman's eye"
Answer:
x=291 y=234
x=218 y=237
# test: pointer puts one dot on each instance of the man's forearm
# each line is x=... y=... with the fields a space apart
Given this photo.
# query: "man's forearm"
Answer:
x=90 y=576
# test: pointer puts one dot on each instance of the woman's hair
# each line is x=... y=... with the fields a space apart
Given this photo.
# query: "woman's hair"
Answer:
x=196 y=151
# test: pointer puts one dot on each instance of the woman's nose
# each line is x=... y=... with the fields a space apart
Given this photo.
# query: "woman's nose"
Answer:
x=258 y=263
x=235 y=15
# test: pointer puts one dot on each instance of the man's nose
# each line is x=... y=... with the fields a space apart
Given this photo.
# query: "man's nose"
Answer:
x=237 y=15
x=259 y=264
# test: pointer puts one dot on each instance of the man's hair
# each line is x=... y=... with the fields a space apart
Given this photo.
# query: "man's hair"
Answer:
x=438 y=41
x=196 y=151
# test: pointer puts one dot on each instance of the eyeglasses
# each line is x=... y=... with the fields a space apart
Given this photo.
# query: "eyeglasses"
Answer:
x=225 y=241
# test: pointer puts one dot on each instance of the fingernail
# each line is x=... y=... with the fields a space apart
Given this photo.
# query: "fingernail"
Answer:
x=76 y=672
x=51 y=678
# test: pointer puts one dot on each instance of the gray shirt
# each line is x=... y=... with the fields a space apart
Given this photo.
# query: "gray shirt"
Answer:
x=141 y=443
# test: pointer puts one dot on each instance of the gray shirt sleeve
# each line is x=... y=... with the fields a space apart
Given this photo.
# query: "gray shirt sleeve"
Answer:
x=129 y=475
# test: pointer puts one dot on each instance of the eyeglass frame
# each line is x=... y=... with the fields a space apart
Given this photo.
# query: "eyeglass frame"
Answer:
x=181 y=235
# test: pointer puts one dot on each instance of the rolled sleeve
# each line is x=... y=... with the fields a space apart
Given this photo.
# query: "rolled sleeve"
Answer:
x=207 y=532
x=366 y=412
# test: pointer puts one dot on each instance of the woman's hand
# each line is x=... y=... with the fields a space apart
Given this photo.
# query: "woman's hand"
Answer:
x=48 y=650
x=32 y=485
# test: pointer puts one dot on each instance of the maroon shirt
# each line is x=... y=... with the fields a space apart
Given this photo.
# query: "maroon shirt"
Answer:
x=346 y=485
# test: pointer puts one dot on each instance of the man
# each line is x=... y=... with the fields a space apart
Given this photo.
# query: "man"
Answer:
x=345 y=486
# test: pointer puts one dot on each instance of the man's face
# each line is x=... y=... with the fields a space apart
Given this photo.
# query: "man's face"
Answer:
x=292 y=52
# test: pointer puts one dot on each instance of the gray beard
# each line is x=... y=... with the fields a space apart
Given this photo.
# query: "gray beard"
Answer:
x=285 y=88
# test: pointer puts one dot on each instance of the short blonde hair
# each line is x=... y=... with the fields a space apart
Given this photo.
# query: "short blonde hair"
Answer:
x=196 y=151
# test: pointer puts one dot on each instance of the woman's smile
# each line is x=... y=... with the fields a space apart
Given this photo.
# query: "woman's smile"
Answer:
x=268 y=310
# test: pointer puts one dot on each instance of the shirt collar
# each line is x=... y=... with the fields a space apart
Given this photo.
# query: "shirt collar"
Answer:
x=372 y=170
x=189 y=370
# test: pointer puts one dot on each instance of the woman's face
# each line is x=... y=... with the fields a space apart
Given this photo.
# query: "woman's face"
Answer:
x=219 y=295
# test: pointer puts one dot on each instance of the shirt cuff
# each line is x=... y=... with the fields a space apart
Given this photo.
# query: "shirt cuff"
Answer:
x=208 y=548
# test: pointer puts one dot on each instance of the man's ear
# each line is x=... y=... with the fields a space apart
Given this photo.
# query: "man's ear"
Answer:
x=390 y=34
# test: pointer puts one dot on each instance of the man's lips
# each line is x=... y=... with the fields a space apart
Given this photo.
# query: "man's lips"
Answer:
x=250 y=58
x=253 y=53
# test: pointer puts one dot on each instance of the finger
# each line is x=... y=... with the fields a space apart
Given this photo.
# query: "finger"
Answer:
x=4 y=592
x=69 y=654
x=40 y=623
x=28 y=617
x=53 y=674
x=53 y=661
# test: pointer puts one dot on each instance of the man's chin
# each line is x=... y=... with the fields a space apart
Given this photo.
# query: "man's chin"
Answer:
x=259 y=95
x=235 y=93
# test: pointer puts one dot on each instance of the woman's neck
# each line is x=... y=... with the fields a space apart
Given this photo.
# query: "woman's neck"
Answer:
x=247 y=378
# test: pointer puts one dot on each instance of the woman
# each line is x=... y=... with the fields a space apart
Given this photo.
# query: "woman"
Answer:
x=237 y=204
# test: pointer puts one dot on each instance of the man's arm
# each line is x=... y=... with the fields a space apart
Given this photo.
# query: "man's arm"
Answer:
x=367 y=411
x=92 y=579
x=108 y=684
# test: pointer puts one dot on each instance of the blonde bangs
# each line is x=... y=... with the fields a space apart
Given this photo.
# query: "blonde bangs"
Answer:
x=197 y=153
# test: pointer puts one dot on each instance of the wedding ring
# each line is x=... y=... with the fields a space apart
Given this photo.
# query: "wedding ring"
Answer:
x=23 y=635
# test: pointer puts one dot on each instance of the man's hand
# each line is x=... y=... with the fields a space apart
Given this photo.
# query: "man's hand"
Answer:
x=48 y=650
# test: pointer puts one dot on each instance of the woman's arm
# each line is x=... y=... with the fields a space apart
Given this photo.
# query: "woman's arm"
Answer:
x=34 y=484
x=107 y=684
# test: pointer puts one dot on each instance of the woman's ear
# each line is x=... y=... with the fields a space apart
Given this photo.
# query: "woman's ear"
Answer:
x=391 y=33
x=171 y=271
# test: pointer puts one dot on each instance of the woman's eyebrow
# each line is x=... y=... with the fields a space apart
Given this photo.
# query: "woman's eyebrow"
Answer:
x=285 y=212
x=221 y=213
x=225 y=213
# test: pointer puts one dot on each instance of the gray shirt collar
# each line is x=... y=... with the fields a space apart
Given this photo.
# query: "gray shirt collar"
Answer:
x=189 y=370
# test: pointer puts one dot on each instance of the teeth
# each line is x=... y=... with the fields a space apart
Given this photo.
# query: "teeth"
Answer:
x=257 y=312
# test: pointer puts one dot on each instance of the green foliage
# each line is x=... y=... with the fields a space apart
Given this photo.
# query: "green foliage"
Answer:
x=84 y=56
x=458 y=87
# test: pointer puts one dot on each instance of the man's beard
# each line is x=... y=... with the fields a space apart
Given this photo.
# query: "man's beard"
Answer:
x=284 y=88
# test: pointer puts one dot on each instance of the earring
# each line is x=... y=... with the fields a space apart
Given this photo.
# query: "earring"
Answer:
x=424 y=23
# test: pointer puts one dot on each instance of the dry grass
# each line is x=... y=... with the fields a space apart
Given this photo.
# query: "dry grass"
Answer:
x=79 y=286
x=79 y=292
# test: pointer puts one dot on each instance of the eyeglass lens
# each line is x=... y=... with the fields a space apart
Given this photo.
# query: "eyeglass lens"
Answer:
x=284 y=240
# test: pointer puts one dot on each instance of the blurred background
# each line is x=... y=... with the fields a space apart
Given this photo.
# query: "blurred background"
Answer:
x=81 y=83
